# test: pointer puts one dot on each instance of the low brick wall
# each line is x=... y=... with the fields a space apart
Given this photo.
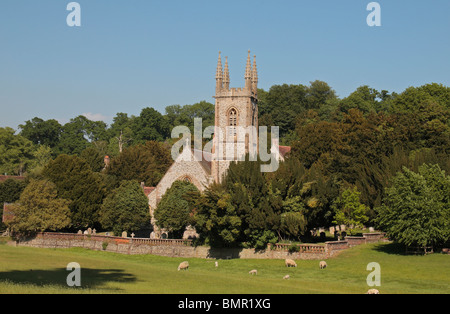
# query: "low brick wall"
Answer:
x=184 y=248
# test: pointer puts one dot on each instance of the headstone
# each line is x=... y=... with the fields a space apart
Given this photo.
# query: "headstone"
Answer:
x=322 y=235
x=332 y=230
x=94 y=231
x=80 y=232
x=85 y=232
x=132 y=235
x=342 y=227
x=336 y=235
x=371 y=229
x=89 y=230
x=124 y=234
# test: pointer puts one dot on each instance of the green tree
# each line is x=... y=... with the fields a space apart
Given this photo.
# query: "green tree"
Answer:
x=42 y=155
x=42 y=132
x=216 y=219
x=150 y=125
x=120 y=134
x=39 y=209
x=125 y=209
x=10 y=190
x=174 y=210
x=348 y=209
x=16 y=152
x=78 y=133
x=76 y=182
x=143 y=162
x=416 y=207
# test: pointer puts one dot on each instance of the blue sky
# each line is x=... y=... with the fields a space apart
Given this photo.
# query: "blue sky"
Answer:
x=132 y=54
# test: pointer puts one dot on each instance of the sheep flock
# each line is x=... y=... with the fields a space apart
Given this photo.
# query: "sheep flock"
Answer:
x=288 y=263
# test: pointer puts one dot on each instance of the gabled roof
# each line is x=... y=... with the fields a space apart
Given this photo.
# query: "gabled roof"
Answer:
x=4 y=178
x=284 y=150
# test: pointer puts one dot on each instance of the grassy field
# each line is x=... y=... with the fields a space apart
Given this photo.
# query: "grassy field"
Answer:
x=33 y=270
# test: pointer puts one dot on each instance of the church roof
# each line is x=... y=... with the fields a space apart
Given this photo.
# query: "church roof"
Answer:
x=206 y=160
x=148 y=189
x=4 y=178
x=284 y=150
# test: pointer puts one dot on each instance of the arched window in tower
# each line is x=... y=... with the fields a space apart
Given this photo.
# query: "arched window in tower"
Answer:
x=232 y=121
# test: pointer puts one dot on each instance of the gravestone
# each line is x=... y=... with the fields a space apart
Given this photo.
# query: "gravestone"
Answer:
x=124 y=234
x=322 y=235
x=336 y=235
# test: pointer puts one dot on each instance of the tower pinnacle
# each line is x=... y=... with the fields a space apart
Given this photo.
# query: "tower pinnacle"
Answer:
x=248 y=73
x=226 y=76
x=219 y=74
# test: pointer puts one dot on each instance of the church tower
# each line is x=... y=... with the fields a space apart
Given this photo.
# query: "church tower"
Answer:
x=236 y=118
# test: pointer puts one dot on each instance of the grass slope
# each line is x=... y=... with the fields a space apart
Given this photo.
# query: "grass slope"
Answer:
x=33 y=270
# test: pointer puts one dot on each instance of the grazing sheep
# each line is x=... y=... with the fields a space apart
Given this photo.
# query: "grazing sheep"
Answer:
x=373 y=291
x=253 y=272
x=286 y=277
x=290 y=263
x=183 y=265
x=217 y=264
x=322 y=264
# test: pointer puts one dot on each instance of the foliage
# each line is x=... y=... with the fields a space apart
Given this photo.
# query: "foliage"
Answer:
x=348 y=209
x=174 y=210
x=76 y=182
x=39 y=209
x=16 y=152
x=150 y=125
x=416 y=208
x=125 y=209
x=143 y=162
x=42 y=132
x=78 y=133
x=216 y=218
x=10 y=190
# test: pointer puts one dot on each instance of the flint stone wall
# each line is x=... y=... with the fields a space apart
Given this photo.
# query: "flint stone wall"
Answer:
x=184 y=248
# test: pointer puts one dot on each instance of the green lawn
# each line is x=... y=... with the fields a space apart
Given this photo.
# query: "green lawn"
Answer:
x=32 y=270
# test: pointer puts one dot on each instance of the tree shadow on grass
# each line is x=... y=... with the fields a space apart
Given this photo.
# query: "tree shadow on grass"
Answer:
x=391 y=248
x=90 y=278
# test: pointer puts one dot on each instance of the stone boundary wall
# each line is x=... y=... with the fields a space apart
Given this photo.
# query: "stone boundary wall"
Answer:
x=184 y=248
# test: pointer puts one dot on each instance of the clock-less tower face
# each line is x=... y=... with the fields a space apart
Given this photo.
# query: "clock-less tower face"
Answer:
x=236 y=112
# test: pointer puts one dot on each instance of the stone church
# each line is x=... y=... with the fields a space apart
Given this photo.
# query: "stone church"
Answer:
x=235 y=109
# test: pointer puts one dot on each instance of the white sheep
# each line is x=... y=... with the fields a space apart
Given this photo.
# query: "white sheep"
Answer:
x=373 y=291
x=216 y=264
x=183 y=265
x=290 y=263
x=286 y=277
x=253 y=272
x=322 y=264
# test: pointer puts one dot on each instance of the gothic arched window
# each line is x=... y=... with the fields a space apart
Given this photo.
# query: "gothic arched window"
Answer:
x=232 y=121
x=232 y=117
